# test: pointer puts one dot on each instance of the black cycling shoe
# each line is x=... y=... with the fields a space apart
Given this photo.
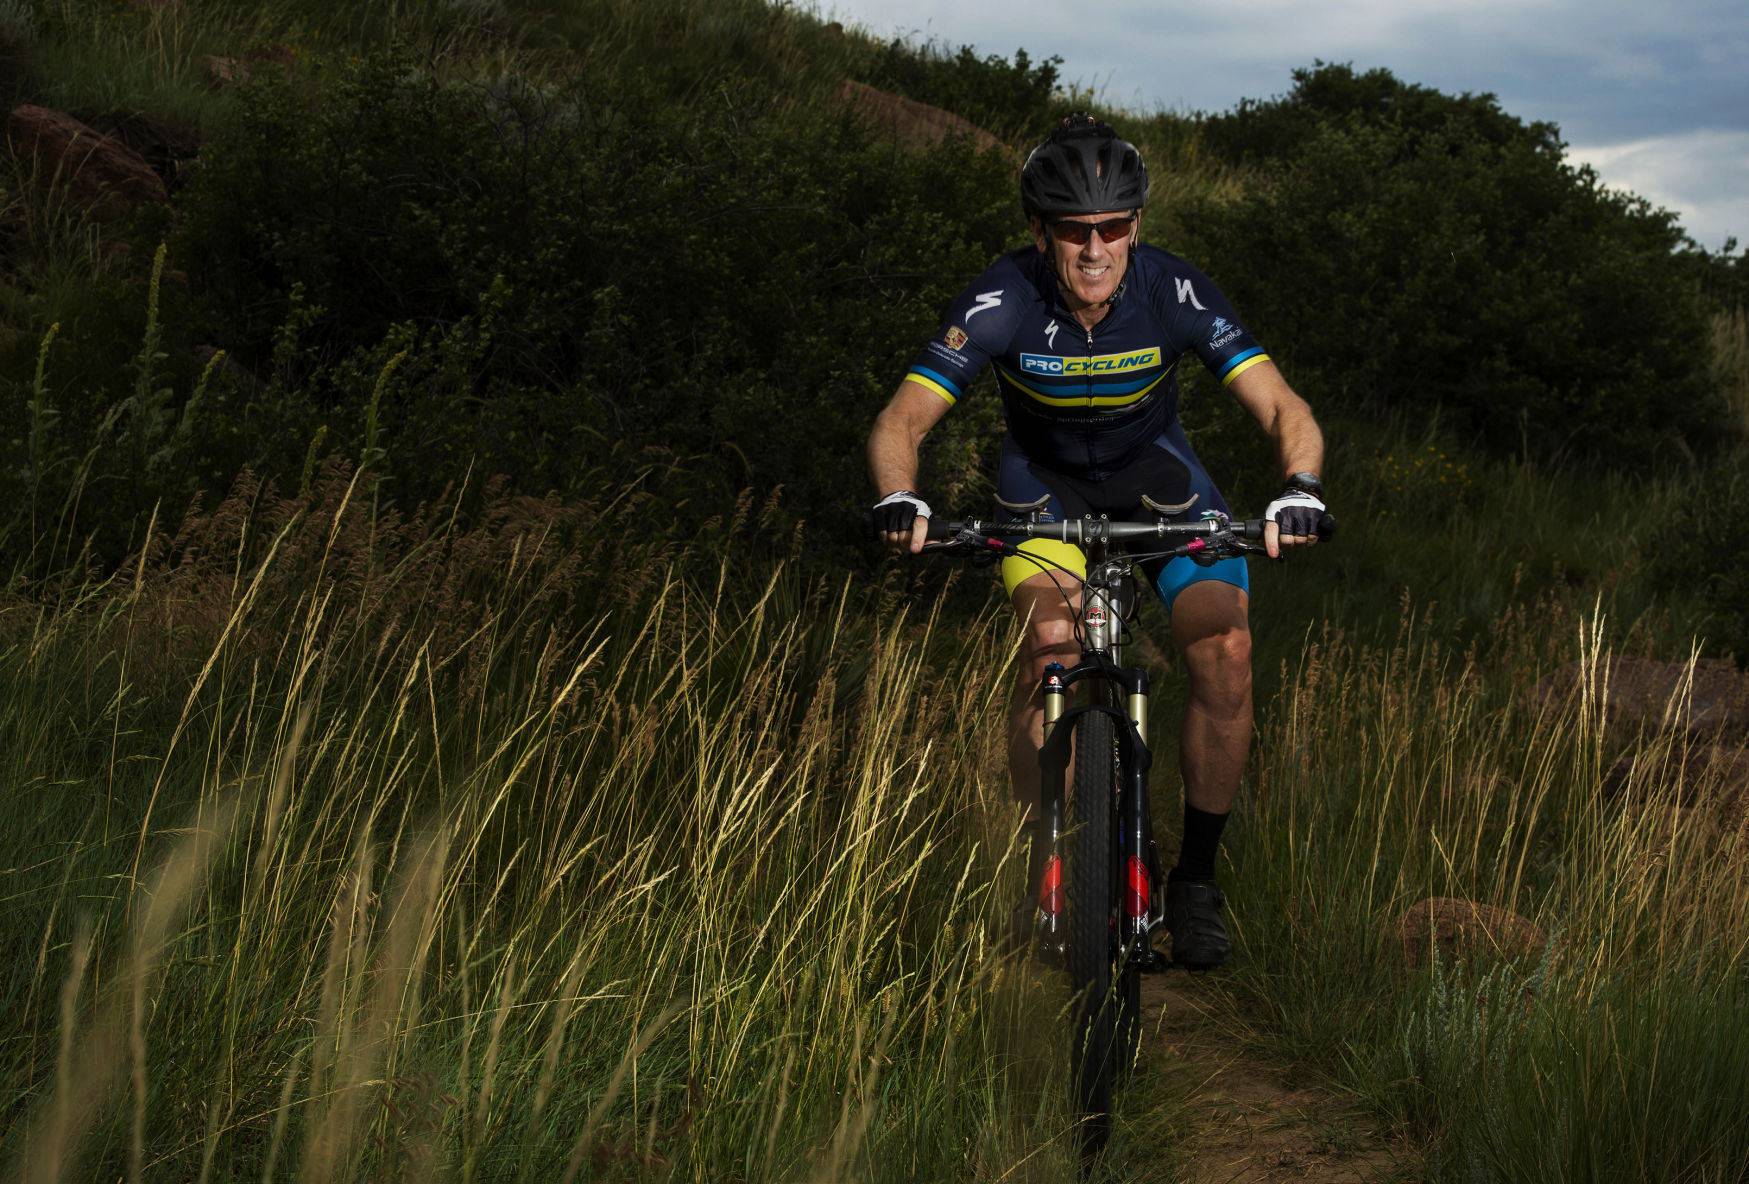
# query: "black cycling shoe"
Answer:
x=1193 y=914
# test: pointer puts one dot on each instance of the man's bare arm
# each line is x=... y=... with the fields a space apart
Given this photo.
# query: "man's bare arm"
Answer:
x=893 y=446
x=1287 y=418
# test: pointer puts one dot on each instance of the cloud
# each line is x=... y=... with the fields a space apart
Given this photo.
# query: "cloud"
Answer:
x=1602 y=69
x=1702 y=175
x=1660 y=91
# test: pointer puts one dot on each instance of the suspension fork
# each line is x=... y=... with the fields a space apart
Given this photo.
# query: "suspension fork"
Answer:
x=1133 y=823
x=1049 y=922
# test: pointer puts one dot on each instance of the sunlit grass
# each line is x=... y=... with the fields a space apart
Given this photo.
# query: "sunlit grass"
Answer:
x=347 y=845
x=1407 y=769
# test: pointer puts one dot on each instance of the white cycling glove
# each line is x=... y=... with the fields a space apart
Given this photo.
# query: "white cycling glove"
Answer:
x=1296 y=511
x=895 y=512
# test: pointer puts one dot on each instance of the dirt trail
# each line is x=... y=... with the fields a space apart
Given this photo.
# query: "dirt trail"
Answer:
x=1251 y=1126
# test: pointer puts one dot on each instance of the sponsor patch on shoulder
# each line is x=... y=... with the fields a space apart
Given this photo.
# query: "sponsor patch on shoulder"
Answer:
x=955 y=338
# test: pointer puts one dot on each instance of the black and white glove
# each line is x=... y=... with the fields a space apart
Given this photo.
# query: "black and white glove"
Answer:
x=895 y=512
x=1295 y=511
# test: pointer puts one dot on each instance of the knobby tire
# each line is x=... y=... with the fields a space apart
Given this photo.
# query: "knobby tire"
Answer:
x=1090 y=873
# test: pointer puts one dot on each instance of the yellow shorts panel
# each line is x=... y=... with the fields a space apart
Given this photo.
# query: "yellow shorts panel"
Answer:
x=1056 y=555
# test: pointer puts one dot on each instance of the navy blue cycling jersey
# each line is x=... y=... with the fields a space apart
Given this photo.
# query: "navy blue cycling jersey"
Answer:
x=1086 y=402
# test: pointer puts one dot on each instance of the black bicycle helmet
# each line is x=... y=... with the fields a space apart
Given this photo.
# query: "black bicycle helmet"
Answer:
x=1084 y=168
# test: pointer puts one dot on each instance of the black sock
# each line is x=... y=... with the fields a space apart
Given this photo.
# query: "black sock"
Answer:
x=1202 y=838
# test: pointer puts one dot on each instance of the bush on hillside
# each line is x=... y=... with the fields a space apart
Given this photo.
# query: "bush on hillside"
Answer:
x=1416 y=253
x=442 y=272
x=1703 y=546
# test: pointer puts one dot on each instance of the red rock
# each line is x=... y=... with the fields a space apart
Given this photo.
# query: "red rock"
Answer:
x=218 y=71
x=1645 y=694
x=911 y=123
x=97 y=169
x=1459 y=927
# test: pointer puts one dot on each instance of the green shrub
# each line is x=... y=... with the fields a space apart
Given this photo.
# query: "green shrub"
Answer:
x=1411 y=252
x=562 y=270
x=1704 y=547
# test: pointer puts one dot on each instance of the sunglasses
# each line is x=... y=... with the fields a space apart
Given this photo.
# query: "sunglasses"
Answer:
x=1076 y=233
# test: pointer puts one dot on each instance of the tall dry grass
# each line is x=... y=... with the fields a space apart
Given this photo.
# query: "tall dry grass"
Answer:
x=506 y=842
x=1730 y=366
x=1616 y=1045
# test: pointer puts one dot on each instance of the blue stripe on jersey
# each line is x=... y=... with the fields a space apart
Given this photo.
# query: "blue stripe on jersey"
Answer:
x=1250 y=353
x=1112 y=394
x=1125 y=388
x=937 y=376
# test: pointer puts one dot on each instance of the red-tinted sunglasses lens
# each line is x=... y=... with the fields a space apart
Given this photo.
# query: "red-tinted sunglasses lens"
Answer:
x=1075 y=233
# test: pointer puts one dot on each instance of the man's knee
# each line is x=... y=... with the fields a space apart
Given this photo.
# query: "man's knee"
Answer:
x=1047 y=642
x=1220 y=663
x=1050 y=629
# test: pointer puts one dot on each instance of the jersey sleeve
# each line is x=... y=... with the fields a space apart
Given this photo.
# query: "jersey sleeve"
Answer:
x=979 y=326
x=1198 y=318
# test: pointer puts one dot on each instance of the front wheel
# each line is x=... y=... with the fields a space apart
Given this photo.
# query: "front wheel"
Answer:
x=1090 y=869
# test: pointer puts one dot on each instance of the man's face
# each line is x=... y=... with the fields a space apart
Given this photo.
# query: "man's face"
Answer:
x=1091 y=269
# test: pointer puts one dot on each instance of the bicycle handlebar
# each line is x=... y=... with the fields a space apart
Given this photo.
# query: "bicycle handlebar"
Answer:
x=1081 y=531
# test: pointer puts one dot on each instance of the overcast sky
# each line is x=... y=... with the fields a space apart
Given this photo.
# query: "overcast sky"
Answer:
x=1654 y=95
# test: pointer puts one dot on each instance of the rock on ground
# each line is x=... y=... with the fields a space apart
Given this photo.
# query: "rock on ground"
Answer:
x=1460 y=927
x=96 y=169
x=1709 y=697
x=913 y=124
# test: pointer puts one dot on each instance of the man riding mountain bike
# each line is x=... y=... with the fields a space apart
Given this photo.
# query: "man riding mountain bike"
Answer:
x=1084 y=329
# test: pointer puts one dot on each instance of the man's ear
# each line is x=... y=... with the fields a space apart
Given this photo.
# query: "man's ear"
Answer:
x=1038 y=231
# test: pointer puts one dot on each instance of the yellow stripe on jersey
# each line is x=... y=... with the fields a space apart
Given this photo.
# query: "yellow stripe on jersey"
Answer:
x=1242 y=367
x=1124 y=400
x=931 y=384
x=1081 y=400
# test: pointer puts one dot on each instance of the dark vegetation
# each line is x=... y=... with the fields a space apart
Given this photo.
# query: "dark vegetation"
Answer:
x=640 y=258
x=1447 y=262
x=548 y=262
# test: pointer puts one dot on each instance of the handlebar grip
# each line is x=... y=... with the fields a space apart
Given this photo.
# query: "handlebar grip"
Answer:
x=937 y=528
x=1252 y=528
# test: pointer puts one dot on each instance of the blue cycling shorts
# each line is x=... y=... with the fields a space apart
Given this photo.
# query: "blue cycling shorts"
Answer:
x=1167 y=472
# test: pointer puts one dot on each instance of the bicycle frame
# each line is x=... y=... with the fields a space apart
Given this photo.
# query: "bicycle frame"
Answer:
x=1100 y=667
x=1095 y=930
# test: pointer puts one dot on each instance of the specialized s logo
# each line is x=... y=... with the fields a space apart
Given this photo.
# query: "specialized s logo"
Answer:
x=985 y=301
x=1188 y=293
x=955 y=337
x=1104 y=364
x=1051 y=334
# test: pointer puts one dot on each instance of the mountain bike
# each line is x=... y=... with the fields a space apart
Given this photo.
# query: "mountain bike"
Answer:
x=1101 y=893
